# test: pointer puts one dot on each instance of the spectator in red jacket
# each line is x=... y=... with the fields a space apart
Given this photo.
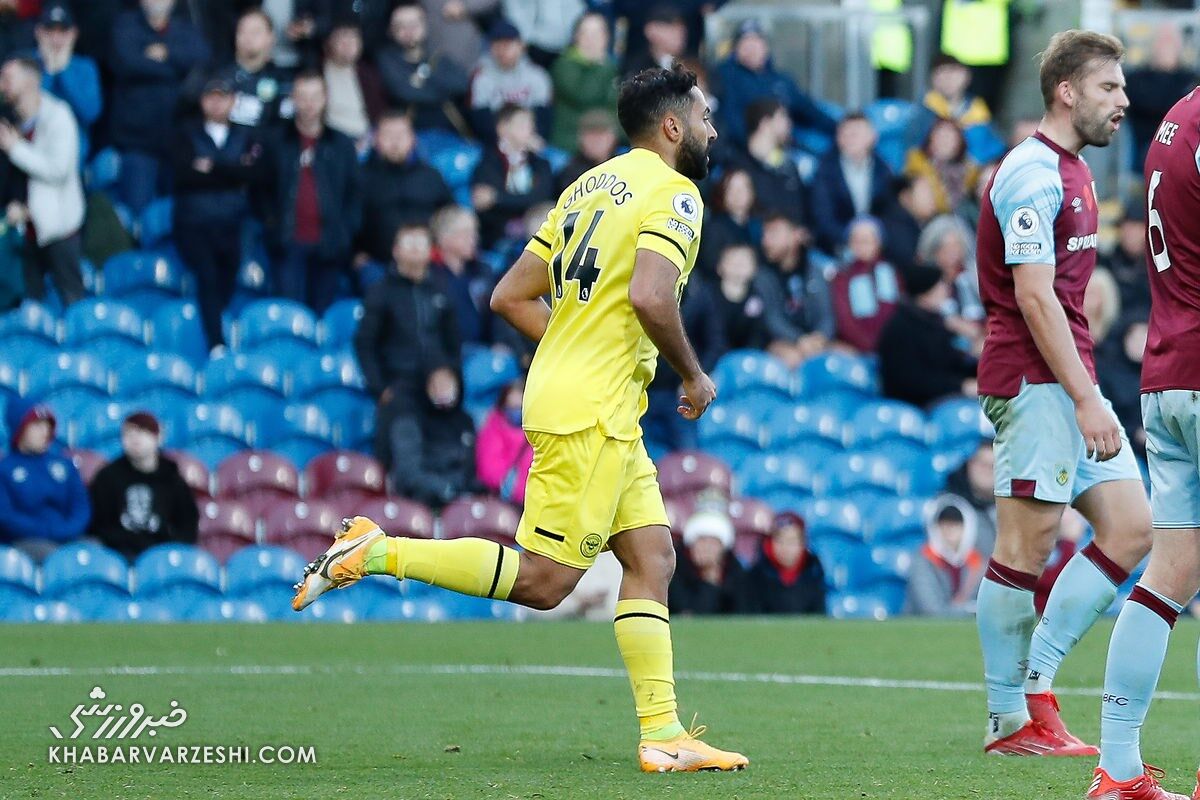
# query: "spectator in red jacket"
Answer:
x=502 y=453
x=788 y=577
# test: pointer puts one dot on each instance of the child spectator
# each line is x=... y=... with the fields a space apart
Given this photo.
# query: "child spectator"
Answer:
x=943 y=159
x=511 y=176
x=948 y=96
x=708 y=579
x=918 y=359
x=503 y=455
x=945 y=574
x=43 y=502
x=596 y=143
x=741 y=304
x=140 y=499
x=788 y=577
x=865 y=290
x=728 y=220
x=585 y=79
x=506 y=76
x=433 y=444
x=974 y=484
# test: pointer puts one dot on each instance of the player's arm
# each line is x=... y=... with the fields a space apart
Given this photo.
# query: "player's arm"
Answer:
x=652 y=295
x=518 y=297
x=1047 y=321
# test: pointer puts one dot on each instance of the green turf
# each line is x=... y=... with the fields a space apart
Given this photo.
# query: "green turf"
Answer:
x=382 y=732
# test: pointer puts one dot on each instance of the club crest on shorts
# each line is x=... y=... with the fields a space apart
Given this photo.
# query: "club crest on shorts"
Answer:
x=591 y=544
x=1061 y=476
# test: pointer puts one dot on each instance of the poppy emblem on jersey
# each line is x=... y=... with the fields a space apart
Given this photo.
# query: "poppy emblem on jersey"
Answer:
x=1062 y=476
x=1024 y=221
x=591 y=544
x=686 y=206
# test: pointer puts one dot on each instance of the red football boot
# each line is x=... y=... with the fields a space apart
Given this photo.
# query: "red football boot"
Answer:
x=1196 y=791
x=1031 y=739
x=1043 y=708
x=1142 y=787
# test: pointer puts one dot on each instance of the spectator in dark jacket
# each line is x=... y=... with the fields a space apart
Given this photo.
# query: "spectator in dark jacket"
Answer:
x=945 y=575
x=708 y=579
x=511 y=177
x=465 y=279
x=777 y=185
x=261 y=89
x=728 y=220
x=1127 y=262
x=799 y=313
x=71 y=77
x=152 y=55
x=356 y=98
x=918 y=359
x=1156 y=86
x=748 y=75
x=422 y=82
x=398 y=188
x=16 y=28
x=43 y=502
x=215 y=162
x=850 y=182
x=864 y=290
x=788 y=577
x=740 y=302
x=904 y=219
x=1119 y=363
x=666 y=38
x=140 y=499
x=433 y=444
x=596 y=143
x=316 y=198
x=506 y=76
x=407 y=331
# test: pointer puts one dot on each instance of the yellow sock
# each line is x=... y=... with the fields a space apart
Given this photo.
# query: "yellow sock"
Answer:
x=478 y=567
x=643 y=630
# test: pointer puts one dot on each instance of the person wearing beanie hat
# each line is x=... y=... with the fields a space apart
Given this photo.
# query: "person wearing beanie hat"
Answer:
x=140 y=498
x=919 y=358
x=43 y=502
x=788 y=578
x=708 y=578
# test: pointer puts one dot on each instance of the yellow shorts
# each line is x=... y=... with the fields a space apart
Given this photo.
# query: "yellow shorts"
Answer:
x=583 y=488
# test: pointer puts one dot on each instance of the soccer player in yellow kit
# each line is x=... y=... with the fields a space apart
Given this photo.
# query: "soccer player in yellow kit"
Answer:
x=613 y=255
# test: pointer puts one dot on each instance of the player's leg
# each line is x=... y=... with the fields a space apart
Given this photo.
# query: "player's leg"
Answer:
x=1035 y=432
x=1139 y=640
x=642 y=544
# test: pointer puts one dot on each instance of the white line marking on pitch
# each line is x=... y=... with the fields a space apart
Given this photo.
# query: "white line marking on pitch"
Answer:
x=534 y=669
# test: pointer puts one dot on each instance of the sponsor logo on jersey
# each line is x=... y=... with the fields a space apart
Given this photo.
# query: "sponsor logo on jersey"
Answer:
x=1024 y=221
x=1077 y=243
x=682 y=228
x=686 y=206
x=1025 y=249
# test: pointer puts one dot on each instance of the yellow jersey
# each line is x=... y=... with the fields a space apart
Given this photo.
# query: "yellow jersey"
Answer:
x=592 y=366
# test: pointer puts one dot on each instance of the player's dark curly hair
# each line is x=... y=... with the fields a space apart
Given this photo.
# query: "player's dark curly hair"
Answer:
x=648 y=95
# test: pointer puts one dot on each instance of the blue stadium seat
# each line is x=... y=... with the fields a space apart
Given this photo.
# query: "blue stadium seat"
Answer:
x=723 y=423
x=837 y=372
x=30 y=317
x=207 y=419
x=92 y=599
x=557 y=157
x=802 y=423
x=331 y=608
x=741 y=370
x=11 y=383
x=54 y=612
x=377 y=598
x=863 y=605
x=223 y=610
x=17 y=569
x=114 y=349
x=172 y=564
x=900 y=519
x=12 y=594
x=959 y=420
x=931 y=478
x=330 y=371
x=781 y=481
x=453 y=157
x=284 y=352
x=212 y=449
x=238 y=373
x=887 y=420
x=854 y=471
x=252 y=567
x=339 y=323
x=69 y=370
x=263 y=415
x=94 y=316
x=485 y=372
x=298 y=420
x=984 y=144
x=96 y=423
x=894 y=560
x=155 y=222
x=301 y=450
x=851 y=569
x=176 y=329
x=275 y=599
x=834 y=518
x=25 y=350
x=155 y=370
x=353 y=418
x=145 y=275
x=103 y=170
x=264 y=320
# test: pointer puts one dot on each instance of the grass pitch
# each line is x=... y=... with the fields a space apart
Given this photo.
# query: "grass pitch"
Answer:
x=393 y=713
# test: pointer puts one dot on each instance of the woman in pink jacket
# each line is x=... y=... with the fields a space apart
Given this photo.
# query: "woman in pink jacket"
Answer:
x=502 y=453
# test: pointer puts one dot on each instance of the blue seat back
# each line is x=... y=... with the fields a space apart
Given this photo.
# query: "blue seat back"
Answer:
x=168 y=564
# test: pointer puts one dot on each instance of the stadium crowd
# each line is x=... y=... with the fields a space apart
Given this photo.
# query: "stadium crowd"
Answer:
x=303 y=137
